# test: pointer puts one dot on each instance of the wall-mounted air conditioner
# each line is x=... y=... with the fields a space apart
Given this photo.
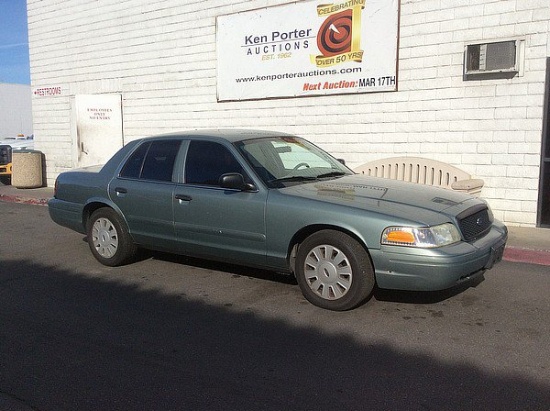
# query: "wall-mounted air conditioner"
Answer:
x=490 y=58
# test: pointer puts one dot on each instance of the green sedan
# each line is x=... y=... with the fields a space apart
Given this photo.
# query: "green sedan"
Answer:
x=278 y=202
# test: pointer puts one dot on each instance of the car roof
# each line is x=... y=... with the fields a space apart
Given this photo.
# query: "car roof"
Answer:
x=230 y=135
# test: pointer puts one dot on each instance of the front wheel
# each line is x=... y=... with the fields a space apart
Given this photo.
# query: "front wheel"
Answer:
x=109 y=239
x=334 y=271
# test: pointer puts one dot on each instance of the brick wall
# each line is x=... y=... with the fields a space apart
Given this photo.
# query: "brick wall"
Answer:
x=161 y=56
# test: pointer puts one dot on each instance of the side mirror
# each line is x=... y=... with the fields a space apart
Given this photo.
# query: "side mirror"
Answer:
x=235 y=181
x=341 y=160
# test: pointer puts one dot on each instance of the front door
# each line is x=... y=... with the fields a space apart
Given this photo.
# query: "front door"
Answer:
x=211 y=221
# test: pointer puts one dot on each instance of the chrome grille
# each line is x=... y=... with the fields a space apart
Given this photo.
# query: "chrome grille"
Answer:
x=476 y=224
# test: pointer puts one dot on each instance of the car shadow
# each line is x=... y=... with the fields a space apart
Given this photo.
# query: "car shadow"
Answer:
x=425 y=297
x=83 y=341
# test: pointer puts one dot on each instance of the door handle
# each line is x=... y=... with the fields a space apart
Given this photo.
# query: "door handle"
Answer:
x=182 y=197
x=120 y=190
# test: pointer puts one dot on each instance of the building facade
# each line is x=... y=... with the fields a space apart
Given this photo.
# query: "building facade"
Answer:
x=470 y=83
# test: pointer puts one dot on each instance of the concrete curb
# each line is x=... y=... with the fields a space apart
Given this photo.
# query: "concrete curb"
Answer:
x=523 y=255
x=24 y=200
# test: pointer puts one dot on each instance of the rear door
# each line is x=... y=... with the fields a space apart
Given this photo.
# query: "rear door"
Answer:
x=214 y=222
x=144 y=192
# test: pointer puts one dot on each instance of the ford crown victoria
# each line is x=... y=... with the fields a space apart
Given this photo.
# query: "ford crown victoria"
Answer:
x=278 y=202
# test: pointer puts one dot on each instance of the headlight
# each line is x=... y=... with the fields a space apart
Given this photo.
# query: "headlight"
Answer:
x=423 y=237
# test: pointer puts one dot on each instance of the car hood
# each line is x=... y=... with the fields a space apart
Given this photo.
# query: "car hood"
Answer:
x=383 y=195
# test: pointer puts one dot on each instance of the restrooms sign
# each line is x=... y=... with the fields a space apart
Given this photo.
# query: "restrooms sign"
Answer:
x=308 y=48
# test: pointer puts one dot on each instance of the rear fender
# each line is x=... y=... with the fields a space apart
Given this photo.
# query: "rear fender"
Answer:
x=95 y=203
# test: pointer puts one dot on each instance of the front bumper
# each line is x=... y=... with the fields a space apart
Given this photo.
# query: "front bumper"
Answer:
x=414 y=269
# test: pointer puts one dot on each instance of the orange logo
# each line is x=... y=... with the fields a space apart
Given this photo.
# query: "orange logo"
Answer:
x=334 y=36
x=339 y=38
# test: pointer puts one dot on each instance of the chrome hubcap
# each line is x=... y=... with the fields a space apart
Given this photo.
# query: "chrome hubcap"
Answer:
x=328 y=272
x=104 y=238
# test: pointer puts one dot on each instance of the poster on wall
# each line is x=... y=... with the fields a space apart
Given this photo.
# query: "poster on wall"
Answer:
x=98 y=127
x=308 y=48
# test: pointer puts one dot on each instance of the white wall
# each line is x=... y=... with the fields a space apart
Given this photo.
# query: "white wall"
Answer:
x=161 y=56
x=15 y=110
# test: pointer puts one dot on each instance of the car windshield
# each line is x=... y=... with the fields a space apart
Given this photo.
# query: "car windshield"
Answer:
x=284 y=161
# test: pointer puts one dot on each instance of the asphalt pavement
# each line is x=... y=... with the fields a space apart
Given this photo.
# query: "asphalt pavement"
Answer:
x=525 y=244
x=174 y=333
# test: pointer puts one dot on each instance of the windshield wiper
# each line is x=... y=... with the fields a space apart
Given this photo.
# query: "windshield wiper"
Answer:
x=332 y=174
x=292 y=178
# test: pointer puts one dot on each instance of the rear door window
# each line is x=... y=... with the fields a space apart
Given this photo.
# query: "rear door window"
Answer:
x=152 y=161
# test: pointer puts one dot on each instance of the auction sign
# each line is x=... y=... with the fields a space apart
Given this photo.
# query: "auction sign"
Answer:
x=308 y=48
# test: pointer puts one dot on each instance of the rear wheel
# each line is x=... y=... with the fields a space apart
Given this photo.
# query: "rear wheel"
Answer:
x=334 y=271
x=108 y=238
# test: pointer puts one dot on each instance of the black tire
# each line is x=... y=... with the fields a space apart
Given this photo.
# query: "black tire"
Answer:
x=334 y=271
x=108 y=238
